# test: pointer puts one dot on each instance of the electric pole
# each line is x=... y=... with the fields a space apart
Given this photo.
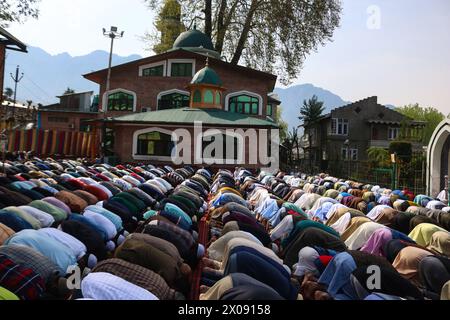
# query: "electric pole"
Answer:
x=16 y=80
x=112 y=34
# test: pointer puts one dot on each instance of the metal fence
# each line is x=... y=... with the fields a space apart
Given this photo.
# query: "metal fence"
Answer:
x=411 y=176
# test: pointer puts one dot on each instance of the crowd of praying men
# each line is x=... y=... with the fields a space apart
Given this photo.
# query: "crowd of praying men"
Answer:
x=73 y=230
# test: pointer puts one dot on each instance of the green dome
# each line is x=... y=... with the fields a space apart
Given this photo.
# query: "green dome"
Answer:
x=207 y=76
x=193 y=39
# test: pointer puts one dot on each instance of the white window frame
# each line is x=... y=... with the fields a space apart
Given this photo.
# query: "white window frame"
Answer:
x=391 y=130
x=345 y=124
x=107 y=93
x=151 y=65
x=248 y=93
x=350 y=154
x=354 y=155
x=163 y=93
x=136 y=135
x=170 y=61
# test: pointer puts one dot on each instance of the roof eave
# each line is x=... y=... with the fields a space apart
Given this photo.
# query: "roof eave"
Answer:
x=11 y=40
x=116 y=121
x=92 y=75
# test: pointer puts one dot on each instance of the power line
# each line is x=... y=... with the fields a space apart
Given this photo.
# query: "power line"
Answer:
x=35 y=84
x=39 y=98
x=39 y=87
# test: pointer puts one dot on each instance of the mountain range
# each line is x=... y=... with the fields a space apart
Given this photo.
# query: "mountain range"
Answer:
x=292 y=99
x=47 y=76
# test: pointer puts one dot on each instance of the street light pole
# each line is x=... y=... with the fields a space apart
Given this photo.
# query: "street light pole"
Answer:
x=112 y=34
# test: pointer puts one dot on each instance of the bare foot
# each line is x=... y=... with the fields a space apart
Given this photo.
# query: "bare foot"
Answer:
x=211 y=263
x=212 y=271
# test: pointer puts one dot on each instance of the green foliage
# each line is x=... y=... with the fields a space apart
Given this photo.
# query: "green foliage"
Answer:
x=283 y=125
x=291 y=143
x=69 y=91
x=17 y=11
x=311 y=111
x=8 y=93
x=270 y=35
x=402 y=149
x=169 y=26
x=378 y=156
x=430 y=115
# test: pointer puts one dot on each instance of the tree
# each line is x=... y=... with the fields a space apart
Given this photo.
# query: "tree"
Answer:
x=283 y=125
x=294 y=137
x=378 y=156
x=8 y=93
x=17 y=11
x=291 y=142
x=168 y=25
x=402 y=149
x=69 y=91
x=430 y=115
x=311 y=111
x=269 y=35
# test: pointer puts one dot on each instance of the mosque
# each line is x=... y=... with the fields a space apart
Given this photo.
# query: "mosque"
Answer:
x=152 y=100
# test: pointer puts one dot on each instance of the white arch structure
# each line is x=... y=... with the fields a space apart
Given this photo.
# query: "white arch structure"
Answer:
x=434 y=158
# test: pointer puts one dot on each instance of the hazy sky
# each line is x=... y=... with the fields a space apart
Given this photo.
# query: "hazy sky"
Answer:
x=398 y=50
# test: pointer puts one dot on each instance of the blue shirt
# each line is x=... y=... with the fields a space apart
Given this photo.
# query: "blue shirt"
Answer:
x=60 y=254
x=114 y=218
x=85 y=221
x=173 y=209
x=337 y=277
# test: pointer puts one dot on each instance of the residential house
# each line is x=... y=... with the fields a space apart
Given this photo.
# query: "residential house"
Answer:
x=70 y=113
x=346 y=134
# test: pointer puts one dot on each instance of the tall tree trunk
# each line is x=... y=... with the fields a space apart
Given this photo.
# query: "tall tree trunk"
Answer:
x=223 y=22
x=245 y=31
x=208 y=17
x=220 y=26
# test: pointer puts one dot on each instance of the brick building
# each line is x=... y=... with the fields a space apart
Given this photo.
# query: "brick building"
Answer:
x=175 y=89
x=70 y=114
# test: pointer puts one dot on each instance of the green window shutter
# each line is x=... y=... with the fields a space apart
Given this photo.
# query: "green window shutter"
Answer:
x=218 y=98
x=209 y=97
x=181 y=70
x=197 y=96
x=157 y=71
x=120 y=101
x=269 y=110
